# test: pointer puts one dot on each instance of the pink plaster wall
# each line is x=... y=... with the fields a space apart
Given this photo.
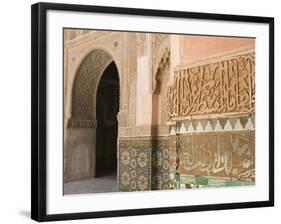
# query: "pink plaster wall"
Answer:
x=195 y=48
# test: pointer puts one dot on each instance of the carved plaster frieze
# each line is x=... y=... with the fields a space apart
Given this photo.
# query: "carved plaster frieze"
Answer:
x=223 y=155
x=224 y=87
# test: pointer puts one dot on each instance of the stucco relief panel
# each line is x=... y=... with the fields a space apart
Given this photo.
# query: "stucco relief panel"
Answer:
x=86 y=82
x=226 y=87
x=78 y=51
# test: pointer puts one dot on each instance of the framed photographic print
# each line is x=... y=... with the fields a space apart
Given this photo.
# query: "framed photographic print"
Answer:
x=139 y=111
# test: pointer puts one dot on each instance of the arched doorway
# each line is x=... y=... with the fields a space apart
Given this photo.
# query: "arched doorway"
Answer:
x=107 y=107
x=90 y=150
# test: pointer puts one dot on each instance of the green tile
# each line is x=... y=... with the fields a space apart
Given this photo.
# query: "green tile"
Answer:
x=201 y=180
x=216 y=182
x=187 y=179
x=230 y=183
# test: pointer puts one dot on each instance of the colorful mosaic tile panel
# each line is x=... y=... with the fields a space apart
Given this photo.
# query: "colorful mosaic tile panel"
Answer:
x=160 y=164
x=135 y=164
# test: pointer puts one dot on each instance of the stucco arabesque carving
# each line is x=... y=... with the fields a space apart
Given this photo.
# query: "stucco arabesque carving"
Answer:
x=109 y=42
x=161 y=58
x=163 y=64
x=224 y=87
x=85 y=84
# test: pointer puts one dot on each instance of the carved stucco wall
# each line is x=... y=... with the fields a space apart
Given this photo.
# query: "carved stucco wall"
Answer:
x=214 y=107
x=218 y=150
x=86 y=82
x=159 y=99
x=216 y=145
x=76 y=51
x=205 y=113
x=160 y=58
x=223 y=87
x=86 y=58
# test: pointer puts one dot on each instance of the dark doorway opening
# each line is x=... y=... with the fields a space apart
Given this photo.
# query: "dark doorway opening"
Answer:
x=107 y=125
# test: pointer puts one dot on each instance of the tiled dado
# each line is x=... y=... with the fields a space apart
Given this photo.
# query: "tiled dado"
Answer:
x=223 y=155
x=215 y=148
x=144 y=164
x=227 y=155
x=134 y=164
x=190 y=181
x=160 y=164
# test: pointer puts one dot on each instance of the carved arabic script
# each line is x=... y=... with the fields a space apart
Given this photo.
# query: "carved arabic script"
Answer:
x=230 y=155
x=227 y=86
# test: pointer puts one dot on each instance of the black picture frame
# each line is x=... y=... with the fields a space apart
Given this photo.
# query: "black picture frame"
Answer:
x=39 y=107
